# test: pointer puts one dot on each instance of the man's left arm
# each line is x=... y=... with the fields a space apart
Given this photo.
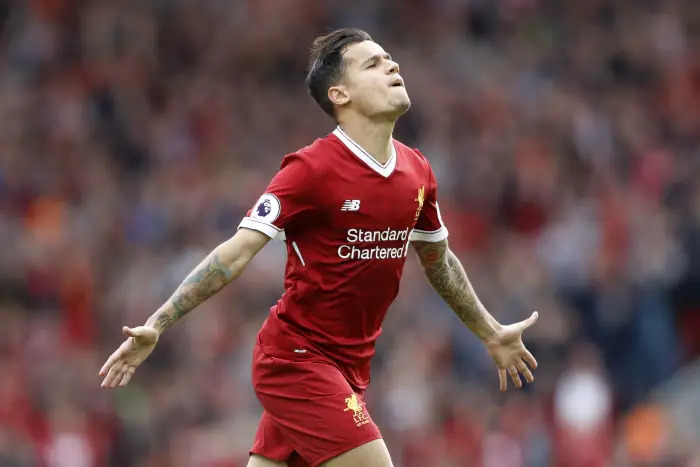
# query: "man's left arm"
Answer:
x=446 y=275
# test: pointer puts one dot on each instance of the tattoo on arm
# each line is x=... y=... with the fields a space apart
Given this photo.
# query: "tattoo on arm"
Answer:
x=447 y=276
x=206 y=280
x=163 y=321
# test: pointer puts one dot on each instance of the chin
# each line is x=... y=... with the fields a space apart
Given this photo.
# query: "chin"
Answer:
x=402 y=107
x=393 y=110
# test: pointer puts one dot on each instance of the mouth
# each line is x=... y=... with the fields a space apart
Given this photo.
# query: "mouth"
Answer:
x=397 y=83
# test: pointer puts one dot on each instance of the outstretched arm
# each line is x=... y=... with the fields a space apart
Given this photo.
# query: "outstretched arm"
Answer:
x=447 y=276
x=217 y=270
x=222 y=266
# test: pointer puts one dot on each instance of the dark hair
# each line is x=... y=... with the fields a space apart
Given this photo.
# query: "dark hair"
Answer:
x=326 y=65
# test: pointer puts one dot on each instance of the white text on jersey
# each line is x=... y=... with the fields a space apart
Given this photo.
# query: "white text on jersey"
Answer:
x=376 y=251
x=386 y=235
x=351 y=205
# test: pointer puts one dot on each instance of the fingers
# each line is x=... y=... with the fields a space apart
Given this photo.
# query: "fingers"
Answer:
x=113 y=375
x=529 y=322
x=529 y=359
x=110 y=362
x=532 y=319
x=119 y=375
x=515 y=371
x=515 y=377
x=525 y=371
x=127 y=376
x=132 y=332
x=515 y=365
x=116 y=371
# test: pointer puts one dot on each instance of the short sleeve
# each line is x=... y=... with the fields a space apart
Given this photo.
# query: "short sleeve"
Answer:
x=429 y=227
x=288 y=196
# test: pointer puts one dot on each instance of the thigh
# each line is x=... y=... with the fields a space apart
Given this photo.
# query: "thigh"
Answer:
x=312 y=405
x=270 y=444
x=259 y=461
x=372 y=454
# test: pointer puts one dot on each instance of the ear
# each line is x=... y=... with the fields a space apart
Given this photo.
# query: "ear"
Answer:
x=338 y=95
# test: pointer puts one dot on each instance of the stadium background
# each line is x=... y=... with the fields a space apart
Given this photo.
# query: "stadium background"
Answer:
x=134 y=135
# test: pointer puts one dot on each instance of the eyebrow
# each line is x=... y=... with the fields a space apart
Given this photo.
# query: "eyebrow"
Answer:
x=376 y=57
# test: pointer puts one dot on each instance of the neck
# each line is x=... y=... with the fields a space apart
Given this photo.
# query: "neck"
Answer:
x=373 y=137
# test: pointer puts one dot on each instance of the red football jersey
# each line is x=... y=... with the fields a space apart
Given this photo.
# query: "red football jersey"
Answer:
x=347 y=221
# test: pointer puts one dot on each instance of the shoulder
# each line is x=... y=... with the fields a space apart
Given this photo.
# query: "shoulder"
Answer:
x=314 y=156
x=412 y=155
x=323 y=149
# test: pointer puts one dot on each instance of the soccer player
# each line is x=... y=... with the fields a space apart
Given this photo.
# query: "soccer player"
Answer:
x=348 y=206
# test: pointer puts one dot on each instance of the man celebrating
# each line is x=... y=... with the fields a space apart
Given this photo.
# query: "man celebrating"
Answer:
x=348 y=206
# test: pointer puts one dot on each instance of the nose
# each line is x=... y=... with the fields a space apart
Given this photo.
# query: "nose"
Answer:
x=393 y=67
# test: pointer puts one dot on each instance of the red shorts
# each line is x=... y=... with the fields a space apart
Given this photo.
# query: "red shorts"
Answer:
x=312 y=414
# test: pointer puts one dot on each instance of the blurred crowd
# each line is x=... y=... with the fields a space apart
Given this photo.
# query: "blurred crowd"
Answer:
x=134 y=135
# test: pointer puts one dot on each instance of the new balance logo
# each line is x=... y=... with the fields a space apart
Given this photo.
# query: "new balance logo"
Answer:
x=351 y=205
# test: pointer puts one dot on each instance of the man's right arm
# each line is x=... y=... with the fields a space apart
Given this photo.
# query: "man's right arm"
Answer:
x=290 y=194
x=224 y=264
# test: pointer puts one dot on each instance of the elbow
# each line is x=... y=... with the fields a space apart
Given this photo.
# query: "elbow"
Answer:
x=234 y=260
x=430 y=265
x=236 y=268
x=239 y=250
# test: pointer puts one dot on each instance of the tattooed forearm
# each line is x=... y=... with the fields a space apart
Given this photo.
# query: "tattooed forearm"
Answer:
x=206 y=280
x=162 y=321
x=447 y=276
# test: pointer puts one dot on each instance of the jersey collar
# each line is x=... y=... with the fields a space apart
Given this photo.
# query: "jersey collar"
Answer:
x=384 y=170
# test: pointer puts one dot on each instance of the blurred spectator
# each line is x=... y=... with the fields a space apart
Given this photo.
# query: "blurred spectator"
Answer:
x=583 y=413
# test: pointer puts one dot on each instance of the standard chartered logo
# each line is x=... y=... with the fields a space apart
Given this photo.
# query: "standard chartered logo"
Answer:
x=359 y=236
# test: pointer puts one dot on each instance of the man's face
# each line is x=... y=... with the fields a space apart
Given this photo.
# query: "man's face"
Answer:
x=371 y=84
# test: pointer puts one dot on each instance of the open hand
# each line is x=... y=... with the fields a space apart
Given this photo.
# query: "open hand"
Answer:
x=508 y=351
x=121 y=365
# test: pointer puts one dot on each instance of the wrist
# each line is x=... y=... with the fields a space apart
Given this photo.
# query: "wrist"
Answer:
x=490 y=328
x=151 y=323
x=160 y=321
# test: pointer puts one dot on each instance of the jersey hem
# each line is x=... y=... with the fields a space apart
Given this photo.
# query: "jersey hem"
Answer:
x=270 y=230
x=432 y=237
